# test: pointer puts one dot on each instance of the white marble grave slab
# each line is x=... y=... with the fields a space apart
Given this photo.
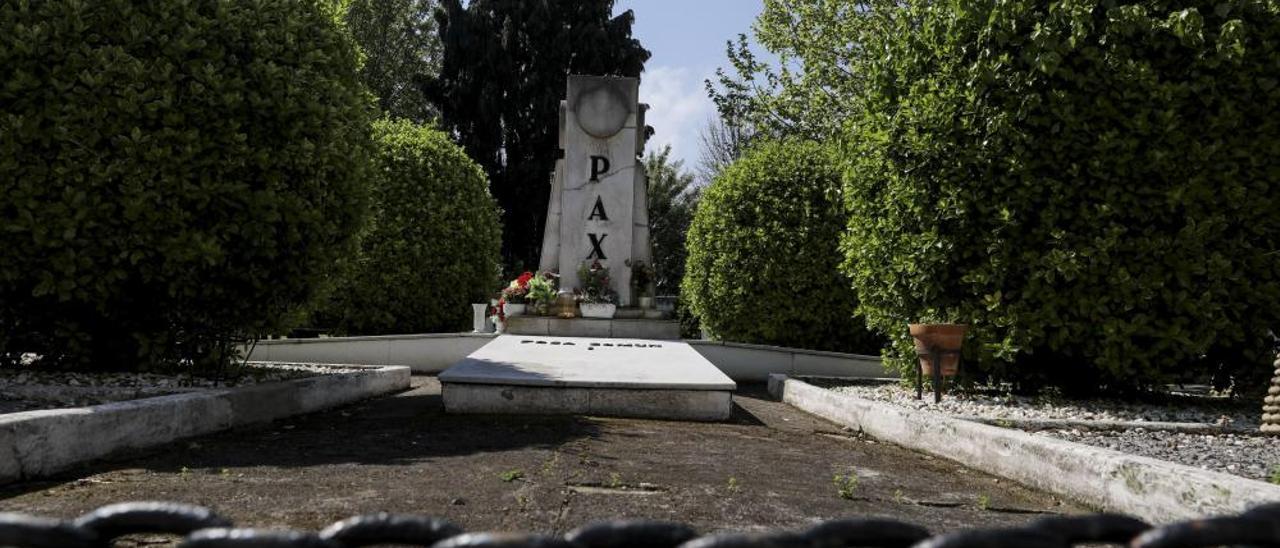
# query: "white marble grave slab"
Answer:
x=587 y=362
x=575 y=375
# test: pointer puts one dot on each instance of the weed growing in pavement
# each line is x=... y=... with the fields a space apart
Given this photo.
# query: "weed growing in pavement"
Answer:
x=733 y=486
x=984 y=502
x=898 y=497
x=511 y=475
x=615 y=481
x=550 y=463
x=1275 y=475
x=846 y=484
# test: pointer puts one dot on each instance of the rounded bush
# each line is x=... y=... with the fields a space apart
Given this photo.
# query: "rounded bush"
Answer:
x=433 y=243
x=763 y=262
x=174 y=175
x=1091 y=186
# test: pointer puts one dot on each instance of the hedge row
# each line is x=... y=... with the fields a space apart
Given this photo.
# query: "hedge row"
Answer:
x=1091 y=186
x=432 y=245
x=177 y=177
x=763 y=263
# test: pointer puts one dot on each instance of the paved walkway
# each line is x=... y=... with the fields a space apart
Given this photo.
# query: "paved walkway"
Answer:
x=771 y=466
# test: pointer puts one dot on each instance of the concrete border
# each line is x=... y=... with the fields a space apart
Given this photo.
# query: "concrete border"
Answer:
x=423 y=352
x=1155 y=490
x=38 y=443
x=435 y=352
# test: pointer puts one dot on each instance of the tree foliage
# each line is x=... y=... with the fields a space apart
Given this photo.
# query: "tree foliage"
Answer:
x=431 y=247
x=672 y=199
x=811 y=90
x=721 y=142
x=763 y=263
x=503 y=75
x=400 y=48
x=175 y=176
x=1091 y=185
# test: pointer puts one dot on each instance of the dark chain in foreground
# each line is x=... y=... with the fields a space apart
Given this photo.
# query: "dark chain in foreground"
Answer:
x=202 y=528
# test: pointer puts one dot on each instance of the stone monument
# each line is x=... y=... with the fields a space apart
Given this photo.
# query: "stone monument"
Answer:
x=598 y=209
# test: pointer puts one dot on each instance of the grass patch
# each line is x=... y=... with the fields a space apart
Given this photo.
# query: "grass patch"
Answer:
x=846 y=484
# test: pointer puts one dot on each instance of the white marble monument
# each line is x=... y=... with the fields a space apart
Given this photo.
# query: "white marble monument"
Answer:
x=598 y=208
x=597 y=211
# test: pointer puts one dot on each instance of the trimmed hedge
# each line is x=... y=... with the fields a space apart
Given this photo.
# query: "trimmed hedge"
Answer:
x=763 y=262
x=175 y=176
x=1092 y=186
x=433 y=244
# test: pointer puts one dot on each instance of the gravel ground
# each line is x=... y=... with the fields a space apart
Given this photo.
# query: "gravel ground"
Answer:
x=1251 y=456
x=1254 y=456
x=995 y=405
x=27 y=389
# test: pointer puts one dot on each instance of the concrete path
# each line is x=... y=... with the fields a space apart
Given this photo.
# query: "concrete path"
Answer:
x=770 y=466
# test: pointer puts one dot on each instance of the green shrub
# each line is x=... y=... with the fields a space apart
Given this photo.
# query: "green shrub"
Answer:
x=174 y=175
x=763 y=262
x=433 y=242
x=1092 y=186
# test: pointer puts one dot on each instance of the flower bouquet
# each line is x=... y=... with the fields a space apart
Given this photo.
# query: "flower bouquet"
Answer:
x=515 y=295
x=542 y=291
x=596 y=298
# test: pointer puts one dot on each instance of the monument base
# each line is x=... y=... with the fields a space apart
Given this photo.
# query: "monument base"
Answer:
x=624 y=328
x=689 y=405
x=574 y=375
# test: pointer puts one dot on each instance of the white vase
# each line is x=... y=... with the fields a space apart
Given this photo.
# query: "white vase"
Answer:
x=499 y=327
x=597 y=310
x=478 y=317
x=513 y=309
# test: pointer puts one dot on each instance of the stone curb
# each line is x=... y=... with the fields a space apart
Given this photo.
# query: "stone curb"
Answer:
x=39 y=443
x=1155 y=490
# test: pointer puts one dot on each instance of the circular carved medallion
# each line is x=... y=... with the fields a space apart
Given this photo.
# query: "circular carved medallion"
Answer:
x=602 y=111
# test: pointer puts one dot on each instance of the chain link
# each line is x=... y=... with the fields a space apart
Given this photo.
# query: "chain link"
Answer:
x=200 y=527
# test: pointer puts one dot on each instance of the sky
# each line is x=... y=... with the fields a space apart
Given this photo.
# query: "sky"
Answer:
x=687 y=39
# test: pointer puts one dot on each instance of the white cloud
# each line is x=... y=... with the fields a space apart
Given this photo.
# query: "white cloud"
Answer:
x=678 y=108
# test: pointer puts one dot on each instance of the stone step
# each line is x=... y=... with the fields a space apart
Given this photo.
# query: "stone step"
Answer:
x=546 y=326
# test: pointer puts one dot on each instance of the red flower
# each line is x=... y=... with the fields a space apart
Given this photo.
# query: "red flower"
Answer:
x=523 y=280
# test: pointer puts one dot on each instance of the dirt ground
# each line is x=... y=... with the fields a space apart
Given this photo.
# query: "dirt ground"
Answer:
x=770 y=466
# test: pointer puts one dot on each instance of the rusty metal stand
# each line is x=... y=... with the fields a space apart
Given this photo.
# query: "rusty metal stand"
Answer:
x=935 y=361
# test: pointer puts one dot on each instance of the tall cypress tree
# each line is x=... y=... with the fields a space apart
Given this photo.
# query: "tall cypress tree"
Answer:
x=502 y=77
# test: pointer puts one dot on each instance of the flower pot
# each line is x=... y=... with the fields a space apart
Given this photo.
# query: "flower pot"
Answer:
x=597 y=310
x=940 y=337
x=499 y=326
x=512 y=310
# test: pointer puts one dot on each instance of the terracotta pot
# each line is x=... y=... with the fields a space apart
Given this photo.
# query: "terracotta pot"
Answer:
x=939 y=336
